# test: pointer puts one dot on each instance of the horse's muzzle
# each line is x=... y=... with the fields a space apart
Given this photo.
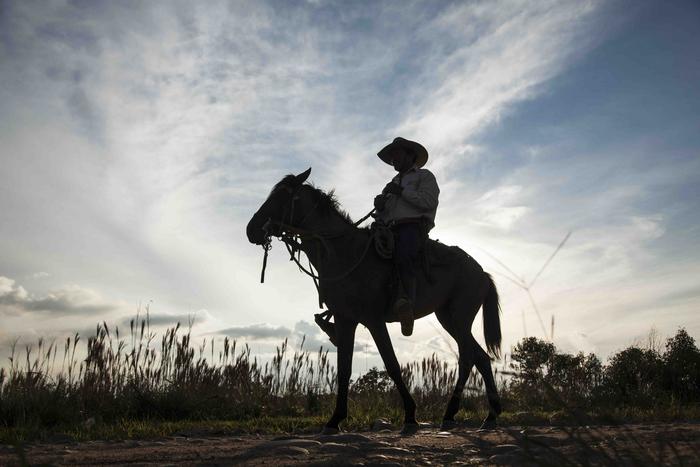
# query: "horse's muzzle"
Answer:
x=256 y=233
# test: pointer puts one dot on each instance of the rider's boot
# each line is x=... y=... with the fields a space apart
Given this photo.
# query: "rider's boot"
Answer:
x=403 y=307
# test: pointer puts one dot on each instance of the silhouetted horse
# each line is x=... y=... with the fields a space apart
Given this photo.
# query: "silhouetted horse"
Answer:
x=354 y=282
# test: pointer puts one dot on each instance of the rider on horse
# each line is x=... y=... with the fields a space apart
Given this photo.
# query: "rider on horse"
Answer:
x=407 y=204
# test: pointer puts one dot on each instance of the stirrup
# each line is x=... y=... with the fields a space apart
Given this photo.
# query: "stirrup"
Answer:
x=324 y=322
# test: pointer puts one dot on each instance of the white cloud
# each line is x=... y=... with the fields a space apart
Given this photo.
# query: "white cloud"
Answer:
x=62 y=311
x=10 y=291
x=69 y=300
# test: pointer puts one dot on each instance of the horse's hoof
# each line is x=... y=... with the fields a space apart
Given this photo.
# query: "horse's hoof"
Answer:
x=488 y=424
x=448 y=425
x=329 y=430
x=410 y=428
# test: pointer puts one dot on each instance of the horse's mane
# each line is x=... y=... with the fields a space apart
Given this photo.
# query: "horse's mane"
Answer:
x=327 y=202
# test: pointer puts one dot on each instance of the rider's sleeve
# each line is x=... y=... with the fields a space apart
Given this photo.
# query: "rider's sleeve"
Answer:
x=425 y=195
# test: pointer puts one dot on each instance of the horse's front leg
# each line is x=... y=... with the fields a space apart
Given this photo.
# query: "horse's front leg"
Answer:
x=386 y=350
x=345 y=335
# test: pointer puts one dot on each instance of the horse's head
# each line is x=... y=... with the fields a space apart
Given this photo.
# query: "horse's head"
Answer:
x=284 y=205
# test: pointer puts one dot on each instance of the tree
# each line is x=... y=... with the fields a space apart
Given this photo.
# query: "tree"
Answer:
x=682 y=367
x=531 y=358
x=372 y=383
x=574 y=377
x=541 y=370
x=634 y=377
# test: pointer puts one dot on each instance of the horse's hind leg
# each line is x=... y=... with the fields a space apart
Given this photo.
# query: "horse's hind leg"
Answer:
x=483 y=364
x=462 y=335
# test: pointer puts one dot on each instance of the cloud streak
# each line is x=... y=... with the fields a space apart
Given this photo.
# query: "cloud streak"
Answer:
x=257 y=332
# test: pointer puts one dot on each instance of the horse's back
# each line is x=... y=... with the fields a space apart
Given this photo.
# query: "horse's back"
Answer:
x=440 y=254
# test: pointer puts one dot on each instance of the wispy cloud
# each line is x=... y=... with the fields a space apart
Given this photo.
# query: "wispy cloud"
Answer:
x=137 y=142
x=257 y=332
x=198 y=318
x=39 y=275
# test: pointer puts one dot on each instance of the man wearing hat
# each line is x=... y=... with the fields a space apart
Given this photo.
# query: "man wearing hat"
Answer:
x=407 y=204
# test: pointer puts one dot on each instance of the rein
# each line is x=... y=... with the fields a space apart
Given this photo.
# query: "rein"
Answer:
x=292 y=235
x=292 y=249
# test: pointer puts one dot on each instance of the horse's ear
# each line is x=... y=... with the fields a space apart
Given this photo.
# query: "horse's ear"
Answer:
x=301 y=178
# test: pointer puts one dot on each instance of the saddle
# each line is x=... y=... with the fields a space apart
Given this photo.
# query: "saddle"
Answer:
x=430 y=253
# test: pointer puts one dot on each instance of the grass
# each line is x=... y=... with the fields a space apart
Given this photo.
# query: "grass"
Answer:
x=271 y=425
x=143 y=386
x=150 y=429
x=141 y=383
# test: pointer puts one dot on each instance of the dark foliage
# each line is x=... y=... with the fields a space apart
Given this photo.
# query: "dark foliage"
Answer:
x=634 y=377
x=681 y=368
x=546 y=379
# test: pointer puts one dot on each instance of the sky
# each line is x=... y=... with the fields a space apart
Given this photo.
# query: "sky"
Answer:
x=138 y=138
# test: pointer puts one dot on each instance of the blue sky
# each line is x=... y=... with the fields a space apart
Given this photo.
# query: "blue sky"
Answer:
x=136 y=140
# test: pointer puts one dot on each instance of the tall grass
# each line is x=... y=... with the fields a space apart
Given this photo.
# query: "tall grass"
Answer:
x=144 y=377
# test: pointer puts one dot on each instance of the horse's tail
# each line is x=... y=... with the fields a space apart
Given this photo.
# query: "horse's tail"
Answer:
x=492 y=320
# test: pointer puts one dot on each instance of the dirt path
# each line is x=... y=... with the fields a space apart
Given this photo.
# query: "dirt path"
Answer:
x=668 y=444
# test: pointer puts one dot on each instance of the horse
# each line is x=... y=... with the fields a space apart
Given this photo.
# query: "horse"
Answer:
x=354 y=280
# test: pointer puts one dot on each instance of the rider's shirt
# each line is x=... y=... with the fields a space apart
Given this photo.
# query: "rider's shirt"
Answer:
x=419 y=198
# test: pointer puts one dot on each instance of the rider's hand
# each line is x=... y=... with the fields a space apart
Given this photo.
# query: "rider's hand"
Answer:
x=392 y=188
x=379 y=202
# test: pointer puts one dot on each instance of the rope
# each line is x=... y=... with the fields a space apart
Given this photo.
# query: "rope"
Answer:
x=381 y=235
x=290 y=235
x=318 y=277
x=383 y=241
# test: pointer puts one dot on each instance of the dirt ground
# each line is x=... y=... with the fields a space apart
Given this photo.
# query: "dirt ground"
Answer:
x=659 y=444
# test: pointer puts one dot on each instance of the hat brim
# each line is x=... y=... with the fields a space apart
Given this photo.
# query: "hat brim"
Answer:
x=421 y=153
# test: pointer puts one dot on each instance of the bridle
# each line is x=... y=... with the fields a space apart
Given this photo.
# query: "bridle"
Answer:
x=292 y=235
x=285 y=225
x=285 y=231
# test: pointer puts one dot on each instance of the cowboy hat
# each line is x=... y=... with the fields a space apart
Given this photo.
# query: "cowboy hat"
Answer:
x=386 y=153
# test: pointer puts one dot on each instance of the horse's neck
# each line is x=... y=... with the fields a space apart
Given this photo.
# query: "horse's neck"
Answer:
x=336 y=247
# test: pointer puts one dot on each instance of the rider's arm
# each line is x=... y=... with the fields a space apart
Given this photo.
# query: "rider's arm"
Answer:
x=425 y=196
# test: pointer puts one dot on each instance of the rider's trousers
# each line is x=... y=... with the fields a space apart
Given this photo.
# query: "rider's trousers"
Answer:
x=408 y=239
